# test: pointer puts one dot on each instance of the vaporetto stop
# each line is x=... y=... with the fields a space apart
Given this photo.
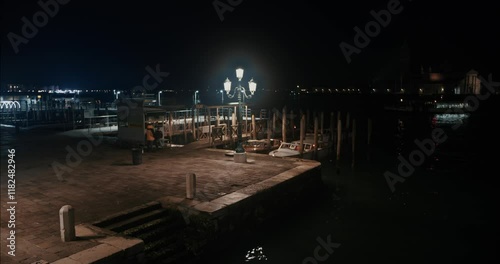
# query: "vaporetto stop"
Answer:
x=9 y=104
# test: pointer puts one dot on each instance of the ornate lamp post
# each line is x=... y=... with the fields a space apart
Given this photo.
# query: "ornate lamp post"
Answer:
x=241 y=92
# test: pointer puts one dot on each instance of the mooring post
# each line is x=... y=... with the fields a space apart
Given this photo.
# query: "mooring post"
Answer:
x=322 y=123
x=193 y=124
x=332 y=129
x=283 y=124
x=185 y=130
x=302 y=133
x=369 y=130
x=67 y=223
x=315 y=153
x=369 y=138
x=170 y=126
x=274 y=124
x=269 y=132
x=190 y=185
x=339 y=137
x=292 y=124
x=353 y=140
x=308 y=118
x=347 y=121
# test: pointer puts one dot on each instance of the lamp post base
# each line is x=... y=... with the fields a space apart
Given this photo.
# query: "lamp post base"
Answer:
x=240 y=157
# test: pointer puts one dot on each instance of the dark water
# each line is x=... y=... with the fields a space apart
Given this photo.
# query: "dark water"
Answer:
x=443 y=212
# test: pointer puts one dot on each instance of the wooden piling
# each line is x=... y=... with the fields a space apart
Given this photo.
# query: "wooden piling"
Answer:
x=347 y=121
x=369 y=130
x=217 y=117
x=353 y=141
x=339 y=137
x=308 y=118
x=170 y=127
x=332 y=127
x=269 y=132
x=322 y=123
x=283 y=124
x=193 y=124
x=274 y=124
x=185 y=130
x=315 y=153
x=302 y=133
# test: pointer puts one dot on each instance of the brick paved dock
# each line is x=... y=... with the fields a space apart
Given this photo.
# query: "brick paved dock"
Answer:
x=105 y=182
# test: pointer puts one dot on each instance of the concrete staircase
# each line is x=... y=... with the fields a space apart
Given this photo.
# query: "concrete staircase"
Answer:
x=161 y=230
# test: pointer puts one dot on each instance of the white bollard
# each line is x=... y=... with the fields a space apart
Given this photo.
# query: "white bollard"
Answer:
x=190 y=185
x=67 y=223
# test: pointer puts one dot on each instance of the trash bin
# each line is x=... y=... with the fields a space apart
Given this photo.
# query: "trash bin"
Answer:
x=137 y=156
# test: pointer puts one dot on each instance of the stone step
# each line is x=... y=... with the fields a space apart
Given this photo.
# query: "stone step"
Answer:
x=122 y=216
x=161 y=231
x=136 y=221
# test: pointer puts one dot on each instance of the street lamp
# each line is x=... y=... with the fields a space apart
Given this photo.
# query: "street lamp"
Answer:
x=159 y=98
x=242 y=93
x=222 y=96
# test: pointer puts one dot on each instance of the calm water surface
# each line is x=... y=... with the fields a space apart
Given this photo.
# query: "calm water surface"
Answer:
x=442 y=213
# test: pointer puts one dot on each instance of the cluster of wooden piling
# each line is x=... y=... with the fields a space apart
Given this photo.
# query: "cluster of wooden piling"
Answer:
x=342 y=129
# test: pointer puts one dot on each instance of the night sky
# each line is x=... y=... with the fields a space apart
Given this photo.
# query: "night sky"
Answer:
x=96 y=44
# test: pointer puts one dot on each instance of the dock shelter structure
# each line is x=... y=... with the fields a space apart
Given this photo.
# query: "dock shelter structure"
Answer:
x=216 y=124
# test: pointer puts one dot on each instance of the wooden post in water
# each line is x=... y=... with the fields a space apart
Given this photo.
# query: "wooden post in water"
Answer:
x=254 y=128
x=292 y=124
x=322 y=123
x=274 y=124
x=353 y=141
x=185 y=130
x=283 y=125
x=269 y=132
x=369 y=138
x=308 y=118
x=217 y=117
x=315 y=153
x=206 y=117
x=369 y=131
x=347 y=121
x=193 y=124
x=314 y=115
x=332 y=128
x=339 y=137
x=302 y=133
x=170 y=127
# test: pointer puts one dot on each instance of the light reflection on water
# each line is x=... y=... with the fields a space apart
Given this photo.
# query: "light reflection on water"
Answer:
x=255 y=254
x=451 y=118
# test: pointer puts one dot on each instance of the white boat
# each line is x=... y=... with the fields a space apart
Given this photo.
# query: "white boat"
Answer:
x=261 y=145
x=291 y=149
